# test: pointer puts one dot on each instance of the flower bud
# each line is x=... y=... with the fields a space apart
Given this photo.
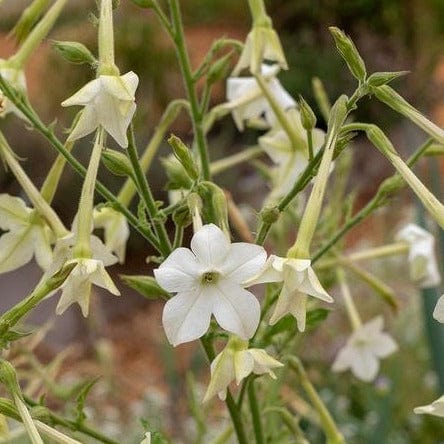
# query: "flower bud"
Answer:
x=178 y=177
x=117 y=163
x=75 y=52
x=308 y=117
x=219 y=69
x=349 y=53
x=382 y=78
x=8 y=377
x=183 y=155
x=270 y=215
x=146 y=286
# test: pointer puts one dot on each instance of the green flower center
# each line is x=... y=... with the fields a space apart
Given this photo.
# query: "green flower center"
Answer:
x=209 y=277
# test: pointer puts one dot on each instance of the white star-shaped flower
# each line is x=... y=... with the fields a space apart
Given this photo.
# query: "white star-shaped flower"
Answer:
x=299 y=280
x=77 y=286
x=16 y=77
x=109 y=102
x=116 y=230
x=291 y=161
x=421 y=256
x=365 y=347
x=27 y=235
x=262 y=44
x=436 y=408
x=247 y=103
x=209 y=279
x=235 y=363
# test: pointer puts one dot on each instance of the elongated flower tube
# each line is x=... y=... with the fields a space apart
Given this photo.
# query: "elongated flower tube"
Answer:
x=209 y=279
x=436 y=408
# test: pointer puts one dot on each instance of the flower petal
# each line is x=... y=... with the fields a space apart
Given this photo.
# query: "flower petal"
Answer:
x=243 y=261
x=42 y=247
x=235 y=309
x=210 y=245
x=179 y=272
x=243 y=365
x=14 y=213
x=187 y=316
x=16 y=249
x=87 y=123
x=222 y=373
x=85 y=94
x=438 y=312
x=364 y=365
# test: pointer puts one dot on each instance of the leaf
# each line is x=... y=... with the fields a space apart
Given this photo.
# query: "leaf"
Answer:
x=147 y=286
x=84 y=390
x=316 y=317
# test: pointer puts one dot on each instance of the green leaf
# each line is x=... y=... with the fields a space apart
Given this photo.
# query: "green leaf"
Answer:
x=146 y=286
x=84 y=390
x=316 y=316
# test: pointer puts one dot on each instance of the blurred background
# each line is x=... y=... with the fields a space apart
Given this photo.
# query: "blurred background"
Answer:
x=148 y=378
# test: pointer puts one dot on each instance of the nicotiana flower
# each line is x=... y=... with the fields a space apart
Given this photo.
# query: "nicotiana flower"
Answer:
x=27 y=235
x=77 y=286
x=299 y=280
x=291 y=161
x=247 y=103
x=262 y=44
x=209 y=279
x=16 y=77
x=365 y=347
x=116 y=230
x=109 y=102
x=147 y=439
x=235 y=363
x=421 y=256
x=436 y=408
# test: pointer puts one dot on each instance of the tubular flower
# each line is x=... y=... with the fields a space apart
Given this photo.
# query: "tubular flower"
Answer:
x=247 y=103
x=365 y=347
x=27 y=235
x=109 y=102
x=235 y=363
x=209 y=279
x=421 y=256
x=299 y=280
x=436 y=408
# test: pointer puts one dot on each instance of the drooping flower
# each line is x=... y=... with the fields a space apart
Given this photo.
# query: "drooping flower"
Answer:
x=16 y=77
x=109 y=102
x=27 y=235
x=436 y=408
x=236 y=362
x=248 y=104
x=77 y=286
x=262 y=44
x=299 y=280
x=116 y=230
x=291 y=160
x=209 y=279
x=421 y=256
x=365 y=347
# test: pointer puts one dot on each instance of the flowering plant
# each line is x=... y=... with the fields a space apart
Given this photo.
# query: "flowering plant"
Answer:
x=249 y=291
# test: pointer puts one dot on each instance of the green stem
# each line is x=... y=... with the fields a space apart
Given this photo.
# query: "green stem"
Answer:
x=350 y=306
x=190 y=87
x=147 y=196
x=385 y=191
x=47 y=133
x=334 y=436
x=27 y=420
x=228 y=162
x=233 y=409
x=310 y=145
x=257 y=9
x=254 y=408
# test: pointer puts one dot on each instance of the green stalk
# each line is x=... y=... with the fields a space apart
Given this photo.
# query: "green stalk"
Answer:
x=254 y=408
x=147 y=195
x=190 y=87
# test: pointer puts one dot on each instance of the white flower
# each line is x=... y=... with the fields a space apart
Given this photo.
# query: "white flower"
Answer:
x=436 y=408
x=16 y=77
x=109 y=102
x=291 y=161
x=365 y=347
x=299 y=281
x=77 y=286
x=421 y=257
x=247 y=103
x=147 y=439
x=262 y=44
x=116 y=230
x=236 y=362
x=27 y=235
x=209 y=279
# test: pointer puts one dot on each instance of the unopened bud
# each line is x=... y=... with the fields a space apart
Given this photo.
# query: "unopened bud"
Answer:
x=349 y=53
x=178 y=177
x=8 y=377
x=183 y=155
x=308 y=117
x=147 y=286
x=219 y=69
x=270 y=215
x=75 y=52
x=382 y=78
x=117 y=163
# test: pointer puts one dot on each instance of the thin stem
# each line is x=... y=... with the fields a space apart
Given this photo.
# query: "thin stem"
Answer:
x=334 y=436
x=254 y=408
x=27 y=420
x=228 y=162
x=352 y=312
x=190 y=87
x=147 y=195
x=233 y=409
x=310 y=145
